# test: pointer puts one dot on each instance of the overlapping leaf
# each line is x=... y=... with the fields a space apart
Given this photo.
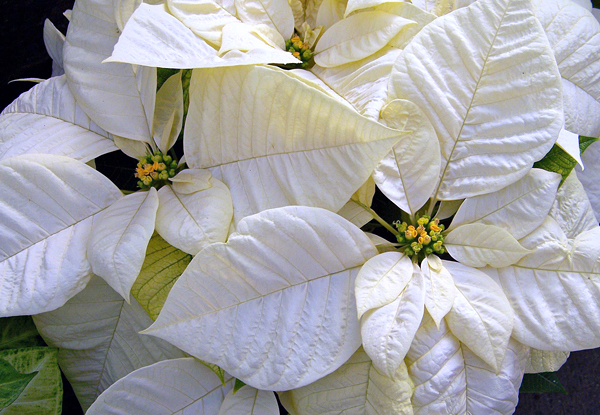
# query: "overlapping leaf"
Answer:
x=249 y=401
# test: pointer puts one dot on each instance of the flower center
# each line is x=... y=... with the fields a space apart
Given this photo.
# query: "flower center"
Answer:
x=154 y=170
x=300 y=49
x=421 y=239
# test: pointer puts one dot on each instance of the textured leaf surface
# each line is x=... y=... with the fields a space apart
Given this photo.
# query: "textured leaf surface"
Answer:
x=572 y=209
x=282 y=287
x=12 y=383
x=166 y=388
x=17 y=332
x=206 y=19
x=491 y=130
x=97 y=336
x=47 y=204
x=543 y=361
x=43 y=394
x=118 y=97
x=320 y=159
x=356 y=388
x=47 y=119
x=249 y=401
x=273 y=13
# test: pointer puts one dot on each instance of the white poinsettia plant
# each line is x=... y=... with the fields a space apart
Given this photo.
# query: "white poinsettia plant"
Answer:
x=240 y=269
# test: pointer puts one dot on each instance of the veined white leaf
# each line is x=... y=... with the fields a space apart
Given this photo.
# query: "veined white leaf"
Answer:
x=47 y=204
x=354 y=210
x=569 y=142
x=589 y=176
x=54 y=41
x=154 y=37
x=554 y=291
x=47 y=119
x=574 y=35
x=123 y=10
x=165 y=388
x=519 y=208
x=439 y=288
x=411 y=12
x=381 y=280
x=356 y=388
x=168 y=113
x=448 y=208
x=117 y=245
x=244 y=37
x=192 y=221
x=540 y=361
x=409 y=173
x=450 y=379
x=478 y=245
x=358 y=36
x=249 y=401
x=572 y=209
x=328 y=12
x=276 y=14
x=387 y=332
x=97 y=334
x=486 y=78
x=303 y=146
x=118 y=97
x=205 y=18
x=275 y=304
x=481 y=316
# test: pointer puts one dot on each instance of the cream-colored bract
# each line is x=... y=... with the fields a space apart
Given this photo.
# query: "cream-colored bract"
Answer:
x=249 y=401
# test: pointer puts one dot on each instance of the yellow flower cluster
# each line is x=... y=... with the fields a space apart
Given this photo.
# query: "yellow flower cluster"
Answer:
x=301 y=50
x=423 y=239
x=155 y=170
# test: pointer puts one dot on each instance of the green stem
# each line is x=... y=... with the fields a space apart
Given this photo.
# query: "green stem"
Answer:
x=378 y=218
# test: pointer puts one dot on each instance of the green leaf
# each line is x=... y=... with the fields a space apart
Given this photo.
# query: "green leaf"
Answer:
x=162 y=74
x=238 y=385
x=541 y=383
x=216 y=369
x=585 y=142
x=557 y=160
x=12 y=383
x=162 y=267
x=17 y=332
x=43 y=393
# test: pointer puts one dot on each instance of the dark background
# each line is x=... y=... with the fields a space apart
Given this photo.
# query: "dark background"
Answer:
x=24 y=56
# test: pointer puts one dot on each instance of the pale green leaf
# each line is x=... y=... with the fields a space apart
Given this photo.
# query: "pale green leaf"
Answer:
x=282 y=286
x=168 y=113
x=17 y=332
x=12 y=383
x=249 y=401
x=486 y=78
x=540 y=361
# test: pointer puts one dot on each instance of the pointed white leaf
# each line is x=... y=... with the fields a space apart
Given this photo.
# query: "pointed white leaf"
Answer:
x=54 y=41
x=205 y=18
x=478 y=245
x=569 y=142
x=519 y=208
x=487 y=80
x=165 y=388
x=450 y=379
x=123 y=10
x=319 y=159
x=47 y=204
x=118 y=97
x=358 y=36
x=249 y=401
x=355 y=213
x=153 y=37
x=97 y=334
x=589 y=176
x=439 y=288
x=572 y=209
x=120 y=235
x=448 y=208
x=554 y=291
x=540 y=361
x=411 y=12
x=168 y=113
x=356 y=388
x=282 y=287
x=328 y=12
x=382 y=245
x=354 y=5
x=387 y=332
x=481 y=316
x=277 y=14
x=190 y=181
x=381 y=280
x=245 y=37
x=47 y=119
x=193 y=221
x=409 y=173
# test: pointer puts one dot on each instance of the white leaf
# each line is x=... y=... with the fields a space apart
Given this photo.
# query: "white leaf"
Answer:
x=572 y=209
x=54 y=41
x=589 y=176
x=358 y=36
x=123 y=11
x=569 y=142
x=190 y=181
x=328 y=13
x=205 y=18
x=47 y=204
x=439 y=288
x=487 y=80
x=411 y=12
x=320 y=159
x=540 y=361
x=133 y=148
x=448 y=208
x=450 y=379
x=409 y=173
x=118 y=97
x=166 y=388
x=192 y=221
x=354 y=211
x=168 y=113
x=249 y=401
x=356 y=388
x=381 y=280
x=387 y=332
x=582 y=112
x=519 y=208
x=354 y=5
x=554 y=291
x=275 y=304
x=47 y=119
x=478 y=245
x=120 y=235
x=481 y=316
x=97 y=336
x=277 y=14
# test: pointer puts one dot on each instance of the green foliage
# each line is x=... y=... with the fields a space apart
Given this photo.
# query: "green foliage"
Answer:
x=17 y=332
x=12 y=383
x=162 y=74
x=238 y=385
x=541 y=383
x=557 y=160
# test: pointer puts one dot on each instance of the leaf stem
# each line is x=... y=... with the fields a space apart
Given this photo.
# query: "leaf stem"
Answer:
x=378 y=218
